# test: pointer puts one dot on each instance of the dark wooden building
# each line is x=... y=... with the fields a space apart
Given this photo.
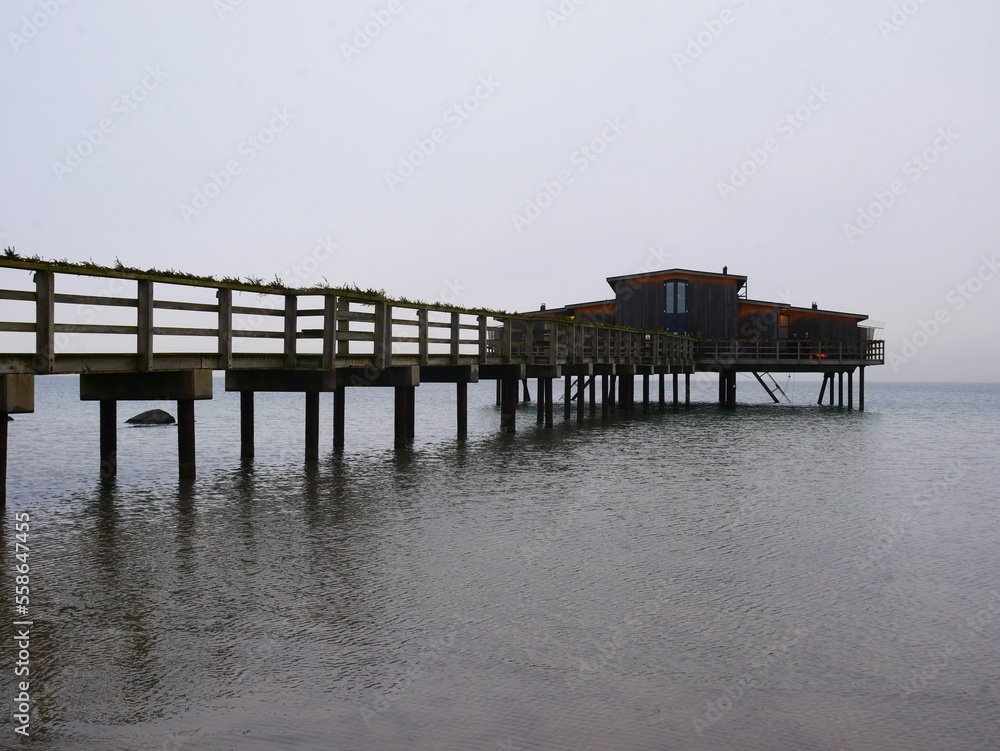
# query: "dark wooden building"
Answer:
x=701 y=304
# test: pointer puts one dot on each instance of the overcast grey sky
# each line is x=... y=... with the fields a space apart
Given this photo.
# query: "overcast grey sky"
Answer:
x=509 y=154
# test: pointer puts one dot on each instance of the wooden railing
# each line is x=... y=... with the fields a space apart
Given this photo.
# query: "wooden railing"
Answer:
x=800 y=351
x=354 y=330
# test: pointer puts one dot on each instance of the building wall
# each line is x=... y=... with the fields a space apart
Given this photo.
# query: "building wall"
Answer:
x=822 y=326
x=756 y=321
x=711 y=305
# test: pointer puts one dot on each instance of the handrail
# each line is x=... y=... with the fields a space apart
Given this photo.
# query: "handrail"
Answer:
x=356 y=329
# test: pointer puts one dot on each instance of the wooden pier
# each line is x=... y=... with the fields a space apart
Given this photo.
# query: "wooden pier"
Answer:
x=327 y=340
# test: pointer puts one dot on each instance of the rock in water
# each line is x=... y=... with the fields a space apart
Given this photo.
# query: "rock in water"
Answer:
x=152 y=417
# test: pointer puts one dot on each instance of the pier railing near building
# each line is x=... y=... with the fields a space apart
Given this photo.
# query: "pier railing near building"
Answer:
x=789 y=354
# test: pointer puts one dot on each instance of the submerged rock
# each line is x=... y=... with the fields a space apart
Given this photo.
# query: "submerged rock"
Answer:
x=152 y=417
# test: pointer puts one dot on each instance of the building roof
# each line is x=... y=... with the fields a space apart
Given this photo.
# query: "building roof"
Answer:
x=613 y=280
x=797 y=308
x=573 y=306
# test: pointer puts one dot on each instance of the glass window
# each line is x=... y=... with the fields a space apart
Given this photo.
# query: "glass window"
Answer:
x=676 y=297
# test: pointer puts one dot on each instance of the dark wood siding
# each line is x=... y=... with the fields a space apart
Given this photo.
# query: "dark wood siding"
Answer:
x=758 y=321
x=822 y=326
x=711 y=305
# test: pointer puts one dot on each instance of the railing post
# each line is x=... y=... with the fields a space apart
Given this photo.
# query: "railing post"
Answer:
x=483 y=338
x=383 y=335
x=144 y=324
x=343 y=327
x=423 y=347
x=329 y=331
x=456 y=333
x=45 y=322
x=291 y=329
x=553 y=345
x=225 y=296
x=508 y=337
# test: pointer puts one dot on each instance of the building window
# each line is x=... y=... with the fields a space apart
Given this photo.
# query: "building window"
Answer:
x=676 y=297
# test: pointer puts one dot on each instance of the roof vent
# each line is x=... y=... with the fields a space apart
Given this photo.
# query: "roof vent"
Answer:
x=543 y=307
x=815 y=306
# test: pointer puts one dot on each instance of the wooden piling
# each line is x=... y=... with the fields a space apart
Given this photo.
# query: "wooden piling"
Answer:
x=676 y=390
x=312 y=426
x=593 y=395
x=567 y=397
x=663 y=392
x=185 y=438
x=3 y=459
x=687 y=389
x=540 y=397
x=246 y=425
x=404 y=414
x=338 y=417
x=605 y=406
x=462 y=406
x=611 y=392
x=722 y=388
x=645 y=394
x=822 y=389
x=840 y=389
x=527 y=392
x=861 y=389
x=581 y=399
x=832 y=378
x=508 y=404
x=109 y=438
x=549 y=407
x=850 y=390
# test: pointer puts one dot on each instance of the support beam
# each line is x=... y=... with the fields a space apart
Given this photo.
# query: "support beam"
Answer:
x=850 y=390
x=581 y=399
x=593 y=395
x=687 y=389
x=645 y=393
x=612 y=388
x=567 y=397
x=404 y=415
x=312 y=426
x=508 y=404
x=246 y=425
x=663 y=391
x=527 y=392
x=462 y=408
x=45 y=342
x=822 y=389
x=676 y=390
x=109 y=438
x=722 y=388
x=861 y=389
x=3 y=459
x=185 y=438
x=840 y=389
x=549 y=407
x=540 y=394
x=339 y=394
x=605 y=406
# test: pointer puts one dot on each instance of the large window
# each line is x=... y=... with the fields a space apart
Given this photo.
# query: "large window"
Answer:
x=676 y=297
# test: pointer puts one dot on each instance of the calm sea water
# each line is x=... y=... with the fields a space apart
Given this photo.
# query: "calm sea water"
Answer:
x=778 y=577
